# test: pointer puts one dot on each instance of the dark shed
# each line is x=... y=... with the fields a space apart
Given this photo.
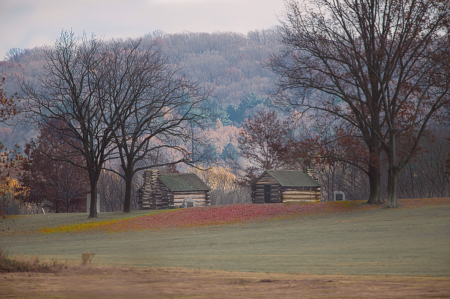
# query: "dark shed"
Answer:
x=274 y=186
x=169 y=190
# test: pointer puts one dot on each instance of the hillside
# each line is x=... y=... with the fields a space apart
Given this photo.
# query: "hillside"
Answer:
x=230 y=62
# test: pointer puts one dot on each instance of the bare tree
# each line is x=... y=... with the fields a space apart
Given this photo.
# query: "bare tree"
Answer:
x=111 y=188
x=424 y=176
x=73 y=94
x=161 y=107
x=13 y=54
x=359 y=60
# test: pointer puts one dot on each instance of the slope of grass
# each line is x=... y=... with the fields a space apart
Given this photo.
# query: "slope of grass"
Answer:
x=376 y=241
x=229 y=214
x=32 y=223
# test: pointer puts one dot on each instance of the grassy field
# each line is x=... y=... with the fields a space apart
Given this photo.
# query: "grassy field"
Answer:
x=377 y=242
x=404 y=241
x=24 y=223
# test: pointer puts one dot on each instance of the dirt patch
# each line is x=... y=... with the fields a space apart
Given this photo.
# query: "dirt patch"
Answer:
x=82 y=282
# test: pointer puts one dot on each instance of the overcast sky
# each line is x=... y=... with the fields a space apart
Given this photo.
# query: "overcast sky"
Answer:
x=30 y=23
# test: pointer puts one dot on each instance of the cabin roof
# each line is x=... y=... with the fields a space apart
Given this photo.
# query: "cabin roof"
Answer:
x=292 y=178
x=183 y=182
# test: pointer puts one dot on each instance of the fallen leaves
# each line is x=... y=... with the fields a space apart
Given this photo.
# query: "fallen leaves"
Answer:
x=228 y=214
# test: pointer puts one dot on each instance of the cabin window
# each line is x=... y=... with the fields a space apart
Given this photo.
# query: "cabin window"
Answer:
x=267 y=193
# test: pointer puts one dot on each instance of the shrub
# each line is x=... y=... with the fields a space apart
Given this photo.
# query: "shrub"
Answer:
x=19 y=264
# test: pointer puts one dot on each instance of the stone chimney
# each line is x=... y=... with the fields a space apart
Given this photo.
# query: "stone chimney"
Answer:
x=310 y=172
x=147 y=187
x=154 y=174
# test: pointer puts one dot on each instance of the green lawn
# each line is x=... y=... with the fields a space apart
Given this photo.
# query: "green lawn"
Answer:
x=404 y=241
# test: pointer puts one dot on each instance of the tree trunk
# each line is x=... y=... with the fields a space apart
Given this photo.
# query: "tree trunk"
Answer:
x=392 y=173
x=374 y=174
x=93 y=207
x=392 y=187
x=375 y=197
x=128 y=186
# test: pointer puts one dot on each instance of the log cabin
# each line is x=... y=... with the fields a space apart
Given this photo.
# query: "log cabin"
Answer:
x=169 y=190
x=287 y=186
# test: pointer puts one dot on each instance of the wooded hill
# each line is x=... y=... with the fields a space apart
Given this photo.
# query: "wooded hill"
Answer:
x=230 y=62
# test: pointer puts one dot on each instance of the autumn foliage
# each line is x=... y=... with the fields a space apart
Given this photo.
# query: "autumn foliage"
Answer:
x=58 y=185
x=265 y=141
x=10 y=159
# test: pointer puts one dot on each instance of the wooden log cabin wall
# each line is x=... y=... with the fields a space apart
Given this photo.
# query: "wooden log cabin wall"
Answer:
x=169 y=190
x=201 y=198
x=276 y=186
x=266 y=189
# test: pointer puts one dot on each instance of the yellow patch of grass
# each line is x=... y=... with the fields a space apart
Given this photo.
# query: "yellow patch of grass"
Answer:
x=87 y=226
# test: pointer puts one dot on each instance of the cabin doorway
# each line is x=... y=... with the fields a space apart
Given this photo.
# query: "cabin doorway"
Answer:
x=267 y=193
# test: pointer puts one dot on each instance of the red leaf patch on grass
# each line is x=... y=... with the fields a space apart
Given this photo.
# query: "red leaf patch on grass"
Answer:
x=230 y=214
